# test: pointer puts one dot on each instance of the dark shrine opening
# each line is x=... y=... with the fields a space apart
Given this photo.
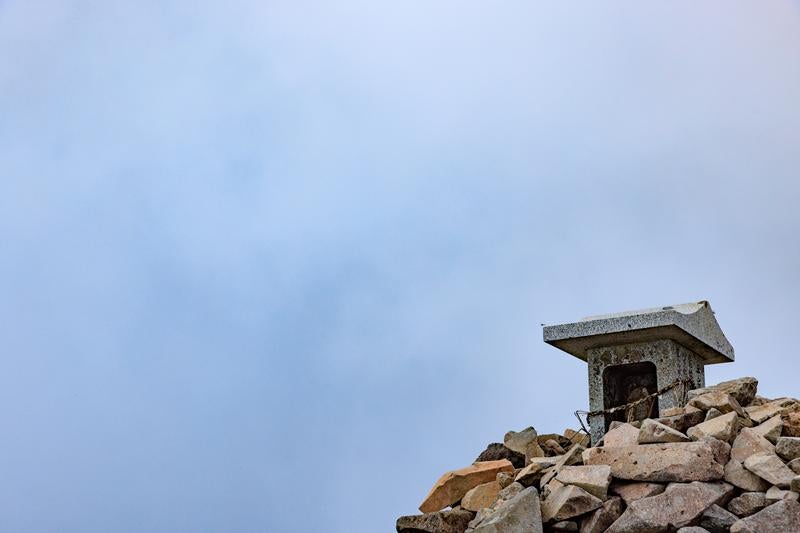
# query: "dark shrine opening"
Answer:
x=623 y=384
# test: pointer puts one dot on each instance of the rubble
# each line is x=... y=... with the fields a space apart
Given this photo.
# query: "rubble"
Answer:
x=726 y=460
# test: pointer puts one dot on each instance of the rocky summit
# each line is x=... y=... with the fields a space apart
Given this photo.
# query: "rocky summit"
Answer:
x=727 y=460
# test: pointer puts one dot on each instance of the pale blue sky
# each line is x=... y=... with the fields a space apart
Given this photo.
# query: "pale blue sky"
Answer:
x=274 y=267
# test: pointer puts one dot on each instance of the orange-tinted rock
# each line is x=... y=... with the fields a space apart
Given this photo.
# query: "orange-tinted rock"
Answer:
x=452 y=486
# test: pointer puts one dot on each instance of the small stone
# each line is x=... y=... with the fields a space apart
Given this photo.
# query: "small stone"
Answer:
x=760 y=413
x=713 y=413
x=795 y=484
x=769 y=467
x=749 y=442
x=693 y=529
x=439 y=522
x=770 y=429
x=717 y=520
x=636 y=490
x=722 y=401
x=748 y=503
x=653 y=432
x=791 y=423
x=622 y=435
x=532 y=473
x=452 y=486
x=743 y=389
x=781 y=516
x=674 y=461
x=774 y=494
x=794 y=465
x=788 y=448
x=497 y=451
x=567 y=502
x=520 y=514
x=481 y=496
x=504 y=479
x=736 y=474
x=564 y=525
x=691 y=417
x=524 y=442
x=592 y=479
x=601 y=518
x=551 y=447
x=721 y=428
x=673 y=411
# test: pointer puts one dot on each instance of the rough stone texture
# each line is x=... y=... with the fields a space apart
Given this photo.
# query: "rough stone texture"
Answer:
x=524 y=442
x=439 y=522
x=653 y=432
x=743 y=389
x=760 y=413
x=693 y=529
x=505 y=478
x=736 y=474
x=481 y=496
x=673 y=411
x=497 y=451
x=677 y=461
x=791 y=422
x=749 y=442
x=748 y=503
x=770 y=429
x=788 y=448
x=721 y=401
x=782 y=516
x=622 y=435
x=532 y=473
x=680 y=505
x=592 y=479
x=685 y=421
x=520 y=514
x=572 y=457
x=713 y=413
x=774 y=494
x=564 y=525
x=552 y=447
x=601 y=518
x=567 y=502
x=795 y=484
x=722 y=428
x=636 y=490
x=769 y=467
x=717 y=520
x=794 y=465
x=452 y=486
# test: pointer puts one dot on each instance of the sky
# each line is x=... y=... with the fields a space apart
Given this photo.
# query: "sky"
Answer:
x=276 y=266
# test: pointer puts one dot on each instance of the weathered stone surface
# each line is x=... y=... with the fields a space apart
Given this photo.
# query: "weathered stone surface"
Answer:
x=693 y=529
x=439 y=522
x=601 y=518
x=524 y=442
x=748 y=503
x=452 y=486
x=769 y=467
x=567 y=502
x=532 y=473
x=622 y=435
x=770 y=429
x=795 y=484
x=743 y=389
x=572 y=457
x=653 y=432
x=717 y=520
x=551 y=447
x=504 y=479
x=520 y=514
x=496 y=451
x=673 y=411
x=736 y=474
x=676 y=461
x=760 y=413
x=794 y=465
x=722 y=428
x=749 y=442
x=779 y=517
x=630 y=491
x=562 y=441
x=680 y=505
x=788 y=448
x=713 y=413
x=791 y=422
x=593 y=479
x=721 y=401
x=481 y=496
x=682 y=423
x=774 y=494
x=564 y=525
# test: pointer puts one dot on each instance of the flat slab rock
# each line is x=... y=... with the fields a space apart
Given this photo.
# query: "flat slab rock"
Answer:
x=453 y=485
x=568 y=501
x=680 y=505
x=520 y=514
x=778 y=517
x=676 y=461
x=439 y=522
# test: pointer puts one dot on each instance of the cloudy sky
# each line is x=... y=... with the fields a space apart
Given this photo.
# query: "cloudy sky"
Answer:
x=274 y=267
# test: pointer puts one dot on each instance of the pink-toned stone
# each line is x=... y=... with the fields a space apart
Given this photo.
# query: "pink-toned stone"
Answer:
x=636 y=490
x=453 y=485
x=675 y=461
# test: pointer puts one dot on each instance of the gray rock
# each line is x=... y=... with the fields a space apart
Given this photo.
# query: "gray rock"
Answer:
x=520 y=514
x=774 y=494
x=748 y=503
x=680 y=505
x=564 y=525
x=794 y=465
x=749 y=442
x=601 y=518
x=675 y=461
x=621 y=435
x=736 y=474
x=713 y=413
x=524 y=442
x=653 y=432
x=568 y=501
x=496 y=451
x=573 y=457
x=683 y=422
x=717 y=520
x=439 y=522
x=769 y=467
x=778 y=517
x=594 y=479
x=636 y=490
x=721 y=428
x=788 y=448
x=693 y=529
x=795 y=484
x=721 y=401
x=743 y=389
x=770 y=429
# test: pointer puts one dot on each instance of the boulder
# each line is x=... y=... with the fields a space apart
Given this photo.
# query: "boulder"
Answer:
x=717 y=520
x=743 y=389
x=749 y=442
x=505 y=478
x=452 y=486
x=721 y=401
x=693 y=529
x=748 y=503
x=601 y=518
x=497 y=451
x=781 y=516
x=653 y=432
x=481 y=496
x=680 y=505
x=721 y=428
x=673 y=411
x=552 y=447
x=769 y=467
x=774 y=494
x=572 y=457
x=524 y=442
x=622 y=435
x=439 y=522
x=788 y=448
x=794 y=465
x=736 y=474
x=691 y=417
x=567 y=502
x=564 y=526
x=593 y=479
x=675 y=461
x=760 y=413
x=520 y=514
x=770 y=429
x=636 y=490
x=531 y=474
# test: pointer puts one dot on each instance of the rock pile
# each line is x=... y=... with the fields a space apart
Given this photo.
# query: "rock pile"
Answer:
x=728 y=460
